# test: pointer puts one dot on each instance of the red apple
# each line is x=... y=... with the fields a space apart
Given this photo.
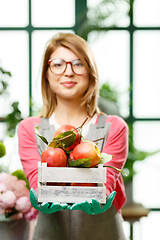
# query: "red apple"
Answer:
x=84 y=184
x=85 y=150
x=65 y=128
x=55 y=157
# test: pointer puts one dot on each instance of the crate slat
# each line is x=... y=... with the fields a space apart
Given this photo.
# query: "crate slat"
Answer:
x=70 y=194
x=72 y=174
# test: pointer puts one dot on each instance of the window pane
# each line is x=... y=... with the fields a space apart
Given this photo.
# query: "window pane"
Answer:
x=146 y=12
x=149 y=227
x=39 y=41
x=115 y=12
x=53 y=13
x=146 y=74
x=111 y=51
x=14 y=58
x=13 y=13
x=145 y=229
x=10 y=161
x=147 y=178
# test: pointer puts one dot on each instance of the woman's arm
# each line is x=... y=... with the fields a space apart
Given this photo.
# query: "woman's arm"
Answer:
x=28 y=152
x=117 y=146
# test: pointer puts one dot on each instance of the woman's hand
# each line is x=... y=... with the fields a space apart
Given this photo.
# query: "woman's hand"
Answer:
x=45 y=207
x=95 y=207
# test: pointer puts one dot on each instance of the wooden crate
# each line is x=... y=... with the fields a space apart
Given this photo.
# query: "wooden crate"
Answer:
x=71 y=194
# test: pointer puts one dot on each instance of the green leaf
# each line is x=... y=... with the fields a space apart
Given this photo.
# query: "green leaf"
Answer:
x=63 y=140
x=119 y=170
x=105 y=158
x=36 y=129
x=21 y=176
x=82 y=162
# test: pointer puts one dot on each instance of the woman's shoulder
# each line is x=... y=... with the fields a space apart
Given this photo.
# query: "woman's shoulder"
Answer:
x=116 y=119
x=118 y=124
x=29 y=123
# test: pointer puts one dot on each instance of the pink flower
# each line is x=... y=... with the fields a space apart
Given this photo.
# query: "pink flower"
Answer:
x=20 y=189
x=2 y=176
x=10 y=182
x=15 y=194
x=2 y=188
x=32 y=214
x=23 y=204
x=8 y=199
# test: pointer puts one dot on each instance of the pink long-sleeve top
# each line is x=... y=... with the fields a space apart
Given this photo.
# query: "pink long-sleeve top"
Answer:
x=116 y=145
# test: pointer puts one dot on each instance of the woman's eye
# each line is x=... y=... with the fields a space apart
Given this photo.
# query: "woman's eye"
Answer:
x=78 y=64
x=57 y=65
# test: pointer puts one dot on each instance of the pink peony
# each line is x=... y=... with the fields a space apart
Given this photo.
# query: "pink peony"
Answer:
x=15 y=194
x=2 y=176
x=8 y=199
x=23 y=204
x=10 y=182
x=32 y=214
x=2 y=188
x=20 y=189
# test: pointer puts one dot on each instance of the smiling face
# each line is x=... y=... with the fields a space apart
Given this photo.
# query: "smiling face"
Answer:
x=83 y=89
x=68 y=85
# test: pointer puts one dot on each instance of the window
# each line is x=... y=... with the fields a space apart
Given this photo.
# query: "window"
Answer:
x=25 y=27
x=127 y=51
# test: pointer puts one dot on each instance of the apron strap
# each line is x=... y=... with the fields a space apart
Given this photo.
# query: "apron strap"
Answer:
x=45 y=130
x=99 y=131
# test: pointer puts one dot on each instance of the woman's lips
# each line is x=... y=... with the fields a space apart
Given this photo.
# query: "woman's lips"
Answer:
x=68 y=84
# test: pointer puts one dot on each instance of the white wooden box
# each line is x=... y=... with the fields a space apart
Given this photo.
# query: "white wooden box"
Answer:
x=71 y=194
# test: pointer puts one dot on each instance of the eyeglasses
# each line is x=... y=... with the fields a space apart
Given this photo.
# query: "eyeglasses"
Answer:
x=58 y=66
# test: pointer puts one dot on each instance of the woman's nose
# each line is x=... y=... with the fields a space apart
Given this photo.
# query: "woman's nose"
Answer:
x=68 y=70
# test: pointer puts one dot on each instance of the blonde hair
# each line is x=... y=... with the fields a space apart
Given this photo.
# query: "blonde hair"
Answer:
x=79 y=47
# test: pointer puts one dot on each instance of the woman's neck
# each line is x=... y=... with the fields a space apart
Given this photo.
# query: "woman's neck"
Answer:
x=70 y=113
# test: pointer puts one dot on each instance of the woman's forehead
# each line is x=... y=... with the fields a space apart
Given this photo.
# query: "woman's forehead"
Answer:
x=64 y=53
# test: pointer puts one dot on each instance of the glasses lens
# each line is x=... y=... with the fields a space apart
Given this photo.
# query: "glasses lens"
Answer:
x=57 y=65
x=78 y=67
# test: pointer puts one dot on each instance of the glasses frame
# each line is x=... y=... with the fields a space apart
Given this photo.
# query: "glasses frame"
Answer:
x=67 y=62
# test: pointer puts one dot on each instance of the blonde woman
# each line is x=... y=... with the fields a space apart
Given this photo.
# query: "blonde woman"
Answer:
x=70 y=89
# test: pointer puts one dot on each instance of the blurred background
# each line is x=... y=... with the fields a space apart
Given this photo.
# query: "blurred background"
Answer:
x=124 y=36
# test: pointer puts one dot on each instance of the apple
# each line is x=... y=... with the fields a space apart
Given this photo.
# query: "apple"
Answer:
x=85 y=150
x=65 y=128
x=55 y=157
x=56 y=184
x=84 y=184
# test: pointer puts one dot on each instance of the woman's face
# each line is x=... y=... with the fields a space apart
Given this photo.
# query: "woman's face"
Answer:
x=68 y=85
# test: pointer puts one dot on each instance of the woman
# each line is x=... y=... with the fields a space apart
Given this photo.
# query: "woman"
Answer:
x=70 y=91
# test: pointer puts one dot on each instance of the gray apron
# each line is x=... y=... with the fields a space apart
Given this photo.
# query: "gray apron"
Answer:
x=76 y=224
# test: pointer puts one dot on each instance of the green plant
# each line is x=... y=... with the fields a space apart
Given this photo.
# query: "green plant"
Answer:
x=106 y=91
x=21 y=176
x=12 y=118
x=106 y=14
x=2 y=150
